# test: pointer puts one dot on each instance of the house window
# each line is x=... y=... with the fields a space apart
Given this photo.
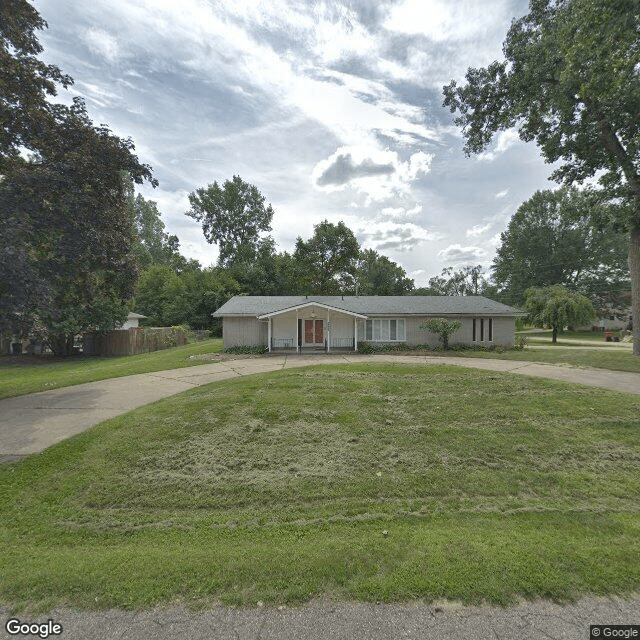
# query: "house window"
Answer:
x=385 y=330
x=477 y=330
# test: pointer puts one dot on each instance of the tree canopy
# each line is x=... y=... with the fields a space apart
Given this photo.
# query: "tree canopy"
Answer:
x=551 y=239
x=329 y=259
x=65 y=206
x=556 y=307
x=570 y=82
x=233 y=216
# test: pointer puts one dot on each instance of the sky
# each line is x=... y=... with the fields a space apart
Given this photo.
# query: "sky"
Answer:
x=333 y=110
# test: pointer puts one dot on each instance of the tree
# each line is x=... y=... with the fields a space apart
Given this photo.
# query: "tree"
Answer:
x=570 y=82
x=329 y=259
x=551 y=239
x=65 y=206
x=232 y=217
x=378 y=276
x=556 y=307
x=443 y=327
x=152 y=244
x=467 y=281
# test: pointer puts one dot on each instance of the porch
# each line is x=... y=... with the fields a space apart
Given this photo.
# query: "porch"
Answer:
x=312 y=328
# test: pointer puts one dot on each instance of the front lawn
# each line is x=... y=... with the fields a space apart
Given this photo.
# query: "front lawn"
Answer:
x=614 y=359
x=373 y=482
x=28 y=375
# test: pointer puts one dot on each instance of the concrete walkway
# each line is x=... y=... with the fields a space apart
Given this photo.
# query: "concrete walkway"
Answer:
x=31 y=423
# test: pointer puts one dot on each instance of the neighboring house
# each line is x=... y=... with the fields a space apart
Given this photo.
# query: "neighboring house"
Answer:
x=132 y=321
x=342 y=322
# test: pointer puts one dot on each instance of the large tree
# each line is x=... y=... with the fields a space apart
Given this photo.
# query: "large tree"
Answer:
x=551 y=239
x=378 y=276
x=328 y=261
x=466 y=281
x=556 y=307
x=65 y=206
x=233 y=216
x=570 y=82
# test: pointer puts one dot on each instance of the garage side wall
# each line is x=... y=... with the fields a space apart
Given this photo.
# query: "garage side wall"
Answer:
x=240 y=331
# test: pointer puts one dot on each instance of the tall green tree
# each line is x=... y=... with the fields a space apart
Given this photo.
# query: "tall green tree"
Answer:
x=153 y=245
x=233 y=216
x=467 y=281
x=551 y=239
x=556 y=307
x=328 y=261
x=378 y=276
x=570 y=82
x=65 y=205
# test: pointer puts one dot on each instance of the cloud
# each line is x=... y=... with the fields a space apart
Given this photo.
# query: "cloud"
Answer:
x=458 y=253
x=505 y=140
x=478 y=230
x=377 y=173
x=502 y=194
x=102 y=43
x=386 y=236
x=342 y=169
x=398 y=214
x=441 y=20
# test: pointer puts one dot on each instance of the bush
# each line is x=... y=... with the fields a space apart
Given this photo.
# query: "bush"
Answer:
x=520 y=343
x=368 y=347
x=244 y=350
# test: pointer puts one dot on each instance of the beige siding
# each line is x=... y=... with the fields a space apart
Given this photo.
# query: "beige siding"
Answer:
x=239 y=331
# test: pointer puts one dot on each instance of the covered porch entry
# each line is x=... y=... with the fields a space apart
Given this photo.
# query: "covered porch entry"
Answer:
x=312 y=327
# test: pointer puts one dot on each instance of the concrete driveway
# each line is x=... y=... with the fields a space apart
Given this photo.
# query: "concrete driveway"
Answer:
x=31 y=423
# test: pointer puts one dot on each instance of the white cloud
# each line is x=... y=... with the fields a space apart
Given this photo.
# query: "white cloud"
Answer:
x=458 y=253
x=389 y=236
x=478 y=230
x=502 y=194
x=442 y=20
x=378 y=173
x=101 y=43
x=505 y=140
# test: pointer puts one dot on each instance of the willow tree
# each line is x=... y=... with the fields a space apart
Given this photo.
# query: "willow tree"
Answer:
x=570 y=81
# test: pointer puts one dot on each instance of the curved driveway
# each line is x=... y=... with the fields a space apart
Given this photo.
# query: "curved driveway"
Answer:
x=31 y=423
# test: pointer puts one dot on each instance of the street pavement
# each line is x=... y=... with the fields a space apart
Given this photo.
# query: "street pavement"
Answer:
x=320 y=620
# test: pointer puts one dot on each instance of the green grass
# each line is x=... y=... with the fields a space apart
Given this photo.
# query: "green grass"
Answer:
x=280 y=488
x=569 y=338
x=18 y=379
x=613 y=359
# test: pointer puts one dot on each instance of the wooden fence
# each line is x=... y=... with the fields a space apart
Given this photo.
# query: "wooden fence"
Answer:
x=129 y=342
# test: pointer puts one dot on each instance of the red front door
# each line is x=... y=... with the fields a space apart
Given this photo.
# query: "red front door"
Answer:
x=313 y=331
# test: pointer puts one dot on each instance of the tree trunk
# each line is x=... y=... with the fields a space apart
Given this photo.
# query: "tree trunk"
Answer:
x=554 y=333
x=634 y=274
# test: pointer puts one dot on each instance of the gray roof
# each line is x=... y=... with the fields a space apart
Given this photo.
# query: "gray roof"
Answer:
x=370 y=305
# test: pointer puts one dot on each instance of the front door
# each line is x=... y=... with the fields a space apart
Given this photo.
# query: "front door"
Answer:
x=314 y=332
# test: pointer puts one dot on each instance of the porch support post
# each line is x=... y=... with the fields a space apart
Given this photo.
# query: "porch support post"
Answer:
x=269 y=333
x=355 y=334
x=297 y=333
x=328 y=330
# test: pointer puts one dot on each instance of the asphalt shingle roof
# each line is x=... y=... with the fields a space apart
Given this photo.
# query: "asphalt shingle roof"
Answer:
x=370 y=305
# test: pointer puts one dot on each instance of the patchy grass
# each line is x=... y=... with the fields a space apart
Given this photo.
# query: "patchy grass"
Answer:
x=614 y=359
x=374 y=482
x=19 y=376
x=574 y=338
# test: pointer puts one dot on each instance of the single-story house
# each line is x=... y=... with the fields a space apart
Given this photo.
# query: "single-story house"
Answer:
x=132 y=321
x=330 y=323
